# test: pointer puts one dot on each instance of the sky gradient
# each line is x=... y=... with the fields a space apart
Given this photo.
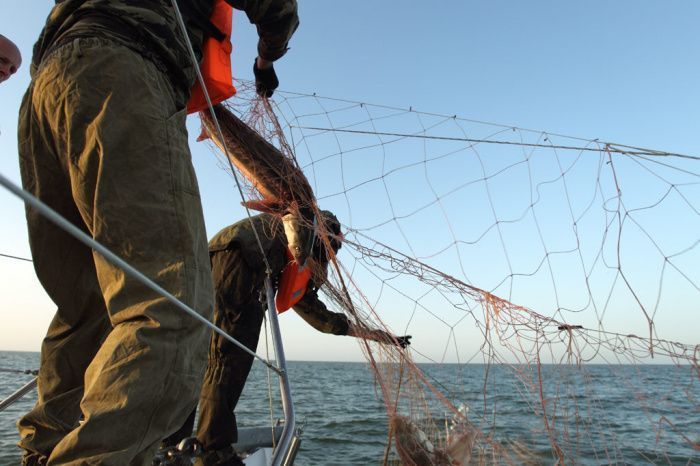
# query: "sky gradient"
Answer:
x=623 y=71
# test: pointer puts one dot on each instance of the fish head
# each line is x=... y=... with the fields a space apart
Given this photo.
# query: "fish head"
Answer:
x=299 y=235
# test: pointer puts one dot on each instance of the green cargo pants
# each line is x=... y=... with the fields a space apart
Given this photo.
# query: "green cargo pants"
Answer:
x=238 y=311
x=102 y=140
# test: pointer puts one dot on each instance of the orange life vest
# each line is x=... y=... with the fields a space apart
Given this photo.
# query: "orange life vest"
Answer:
x=293 y=282
x=216 y=62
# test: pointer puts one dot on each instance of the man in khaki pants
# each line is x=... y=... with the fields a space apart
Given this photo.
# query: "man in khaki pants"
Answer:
x=102 y=140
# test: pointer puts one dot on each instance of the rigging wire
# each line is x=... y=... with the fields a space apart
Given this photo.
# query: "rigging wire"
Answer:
x=16 y=257
x=609 y=147
x=483 y=122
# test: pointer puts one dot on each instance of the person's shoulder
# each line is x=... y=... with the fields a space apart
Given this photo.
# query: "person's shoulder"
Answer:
x=263 y=224
x=223 y=237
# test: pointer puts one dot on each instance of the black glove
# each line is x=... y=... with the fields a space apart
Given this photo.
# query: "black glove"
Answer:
x=265 y=80
x=404 y=341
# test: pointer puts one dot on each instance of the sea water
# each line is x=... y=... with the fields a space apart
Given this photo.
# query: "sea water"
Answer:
x=345 y=420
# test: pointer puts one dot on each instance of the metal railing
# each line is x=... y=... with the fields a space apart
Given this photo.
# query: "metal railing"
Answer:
x=284 y=447
x=29 y=386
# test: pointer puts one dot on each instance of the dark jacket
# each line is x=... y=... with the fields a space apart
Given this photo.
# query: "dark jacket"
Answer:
x=150 y=28
x=240 y=236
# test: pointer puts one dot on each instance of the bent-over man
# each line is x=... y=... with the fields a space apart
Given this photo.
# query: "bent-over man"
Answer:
x=238 y=272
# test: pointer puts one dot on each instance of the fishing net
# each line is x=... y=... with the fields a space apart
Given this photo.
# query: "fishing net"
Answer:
x=540 y=275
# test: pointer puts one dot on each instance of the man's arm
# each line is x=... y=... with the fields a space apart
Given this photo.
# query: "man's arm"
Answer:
x=276 y=21
x=378 y=335
x=316 y=314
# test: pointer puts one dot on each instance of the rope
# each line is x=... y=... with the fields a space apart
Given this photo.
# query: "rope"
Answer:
x=480 y=122
x=609 y=147
x=16 y=257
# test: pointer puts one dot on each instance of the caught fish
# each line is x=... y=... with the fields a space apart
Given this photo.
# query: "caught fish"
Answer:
x=415 y=447
x=284 y=188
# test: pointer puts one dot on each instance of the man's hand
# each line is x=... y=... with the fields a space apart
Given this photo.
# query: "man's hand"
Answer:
x=404 y=341
x=265 y=77
x=378 y=335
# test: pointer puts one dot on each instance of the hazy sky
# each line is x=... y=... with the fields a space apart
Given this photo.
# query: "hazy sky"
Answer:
x=625 y=71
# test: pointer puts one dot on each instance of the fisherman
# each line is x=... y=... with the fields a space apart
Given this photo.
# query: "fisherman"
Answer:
x=10 y=58
x=102 y=140
x=238 y=271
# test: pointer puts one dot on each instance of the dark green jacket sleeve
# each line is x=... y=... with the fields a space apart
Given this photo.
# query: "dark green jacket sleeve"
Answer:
x=316 y=314
x=276 y=21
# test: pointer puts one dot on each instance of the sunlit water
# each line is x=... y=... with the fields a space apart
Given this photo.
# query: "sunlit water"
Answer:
x=345 y=422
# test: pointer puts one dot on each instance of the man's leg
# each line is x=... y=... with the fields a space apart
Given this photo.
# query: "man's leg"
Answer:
x=125 y=154
x=239 y=312
x=66 y=269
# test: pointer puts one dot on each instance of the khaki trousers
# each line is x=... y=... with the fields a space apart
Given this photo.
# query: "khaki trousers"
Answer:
x=239 y=311
x=102 y=140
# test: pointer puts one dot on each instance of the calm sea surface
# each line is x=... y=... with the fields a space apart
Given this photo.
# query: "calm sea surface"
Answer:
x=345 y=422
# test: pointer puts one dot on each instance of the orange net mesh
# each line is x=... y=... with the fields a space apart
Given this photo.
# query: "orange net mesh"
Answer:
x=540 y=276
